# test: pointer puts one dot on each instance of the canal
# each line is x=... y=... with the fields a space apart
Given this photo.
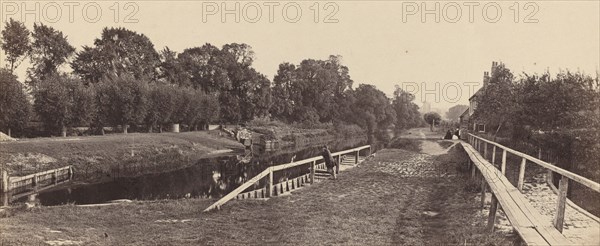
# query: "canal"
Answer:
x=208 y=178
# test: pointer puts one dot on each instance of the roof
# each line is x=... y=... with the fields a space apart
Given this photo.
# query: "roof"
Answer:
x=465 y=113
x=477 y=93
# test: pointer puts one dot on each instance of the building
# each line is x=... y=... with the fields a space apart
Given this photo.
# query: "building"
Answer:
x=478 y=126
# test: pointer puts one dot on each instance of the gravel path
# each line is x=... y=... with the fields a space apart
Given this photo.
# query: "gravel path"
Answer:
x=397 y=197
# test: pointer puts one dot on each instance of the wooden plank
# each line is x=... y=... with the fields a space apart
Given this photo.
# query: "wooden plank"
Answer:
x=238 y=190
x=521 y=214
x=559 y=217
x=545 y=228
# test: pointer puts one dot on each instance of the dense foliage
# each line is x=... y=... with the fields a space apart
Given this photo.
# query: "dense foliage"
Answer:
x=122 y=80
x=14 y=107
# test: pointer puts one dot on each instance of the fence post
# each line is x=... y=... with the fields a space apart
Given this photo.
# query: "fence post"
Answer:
x=5 y=183
x=549 y=178
x=339 y=162
x=70 y=172
x=503 y=167
x=356 y=157
x=485 y=153
x=521 y=175
x=55 y=176
x=312 y=172
x=563 y=187
x=270 y=183
x=34 y=180
x=492 y=215
x=493 y=154
x=483 y=188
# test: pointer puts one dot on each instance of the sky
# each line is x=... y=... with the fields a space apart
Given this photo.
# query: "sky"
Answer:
x=384 y=43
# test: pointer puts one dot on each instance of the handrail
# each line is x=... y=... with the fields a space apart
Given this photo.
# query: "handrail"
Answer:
x=317 y=158
x=238 y=190
x=30 y=176
x=579 y=179
x=272 y=169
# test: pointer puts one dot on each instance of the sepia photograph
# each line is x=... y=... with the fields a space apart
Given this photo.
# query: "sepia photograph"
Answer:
x=300 y=122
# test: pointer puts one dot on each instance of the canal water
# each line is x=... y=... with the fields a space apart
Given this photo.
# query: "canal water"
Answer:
x=208 y=178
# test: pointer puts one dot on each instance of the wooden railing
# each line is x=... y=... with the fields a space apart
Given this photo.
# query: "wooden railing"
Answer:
x=12 y=183
x=480 y=143
x=269 y=172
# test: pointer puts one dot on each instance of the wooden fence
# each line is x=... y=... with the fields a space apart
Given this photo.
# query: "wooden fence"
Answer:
x=270 y=186
x=34 y=180
x=481 y=146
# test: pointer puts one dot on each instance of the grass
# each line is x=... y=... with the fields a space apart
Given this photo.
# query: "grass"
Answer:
x=96 y=156
x=365 y=206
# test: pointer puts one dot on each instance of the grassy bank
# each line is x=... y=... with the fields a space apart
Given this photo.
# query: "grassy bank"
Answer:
x=97 y=156
x=302 y=135
x=368 y=205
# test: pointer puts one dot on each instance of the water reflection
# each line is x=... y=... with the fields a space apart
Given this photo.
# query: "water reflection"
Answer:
x=210 y=177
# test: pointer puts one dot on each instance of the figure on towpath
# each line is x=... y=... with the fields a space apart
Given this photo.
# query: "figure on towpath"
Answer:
x=330 y=163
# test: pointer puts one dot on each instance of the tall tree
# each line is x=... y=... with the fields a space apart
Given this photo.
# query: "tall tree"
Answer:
x=407 y=112
x=314 y=86
x=14 y=106
x=118 y=52
x=15 y=42
x=162 y=103
x=49 y=50
x=122 y=101
x=63 y=101
x=372 y=109
x=454 y=112
x=171 y=69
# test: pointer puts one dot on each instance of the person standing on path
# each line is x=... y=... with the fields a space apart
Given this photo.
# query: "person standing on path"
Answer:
x=330 y=163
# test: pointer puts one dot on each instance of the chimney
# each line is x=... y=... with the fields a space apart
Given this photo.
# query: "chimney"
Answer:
x=486 y=78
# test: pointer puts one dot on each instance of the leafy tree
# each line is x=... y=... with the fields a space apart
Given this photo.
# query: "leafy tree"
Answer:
x=407 y=112
x=227 y=73
x=431 y=118
x=162 y=103
x=49 y=50
x=205 y=69
x=62 y=101
x=14 y=106
x=118 y=52
x=372 y=109
x=122 y=101
x=454 y=112
x=171 y=69
x=567 y=101
x=15 y=42
x=497 y=104
x=314 y=84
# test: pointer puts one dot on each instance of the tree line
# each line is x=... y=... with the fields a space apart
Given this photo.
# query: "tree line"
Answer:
x=123 y=80
x=538 y=102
